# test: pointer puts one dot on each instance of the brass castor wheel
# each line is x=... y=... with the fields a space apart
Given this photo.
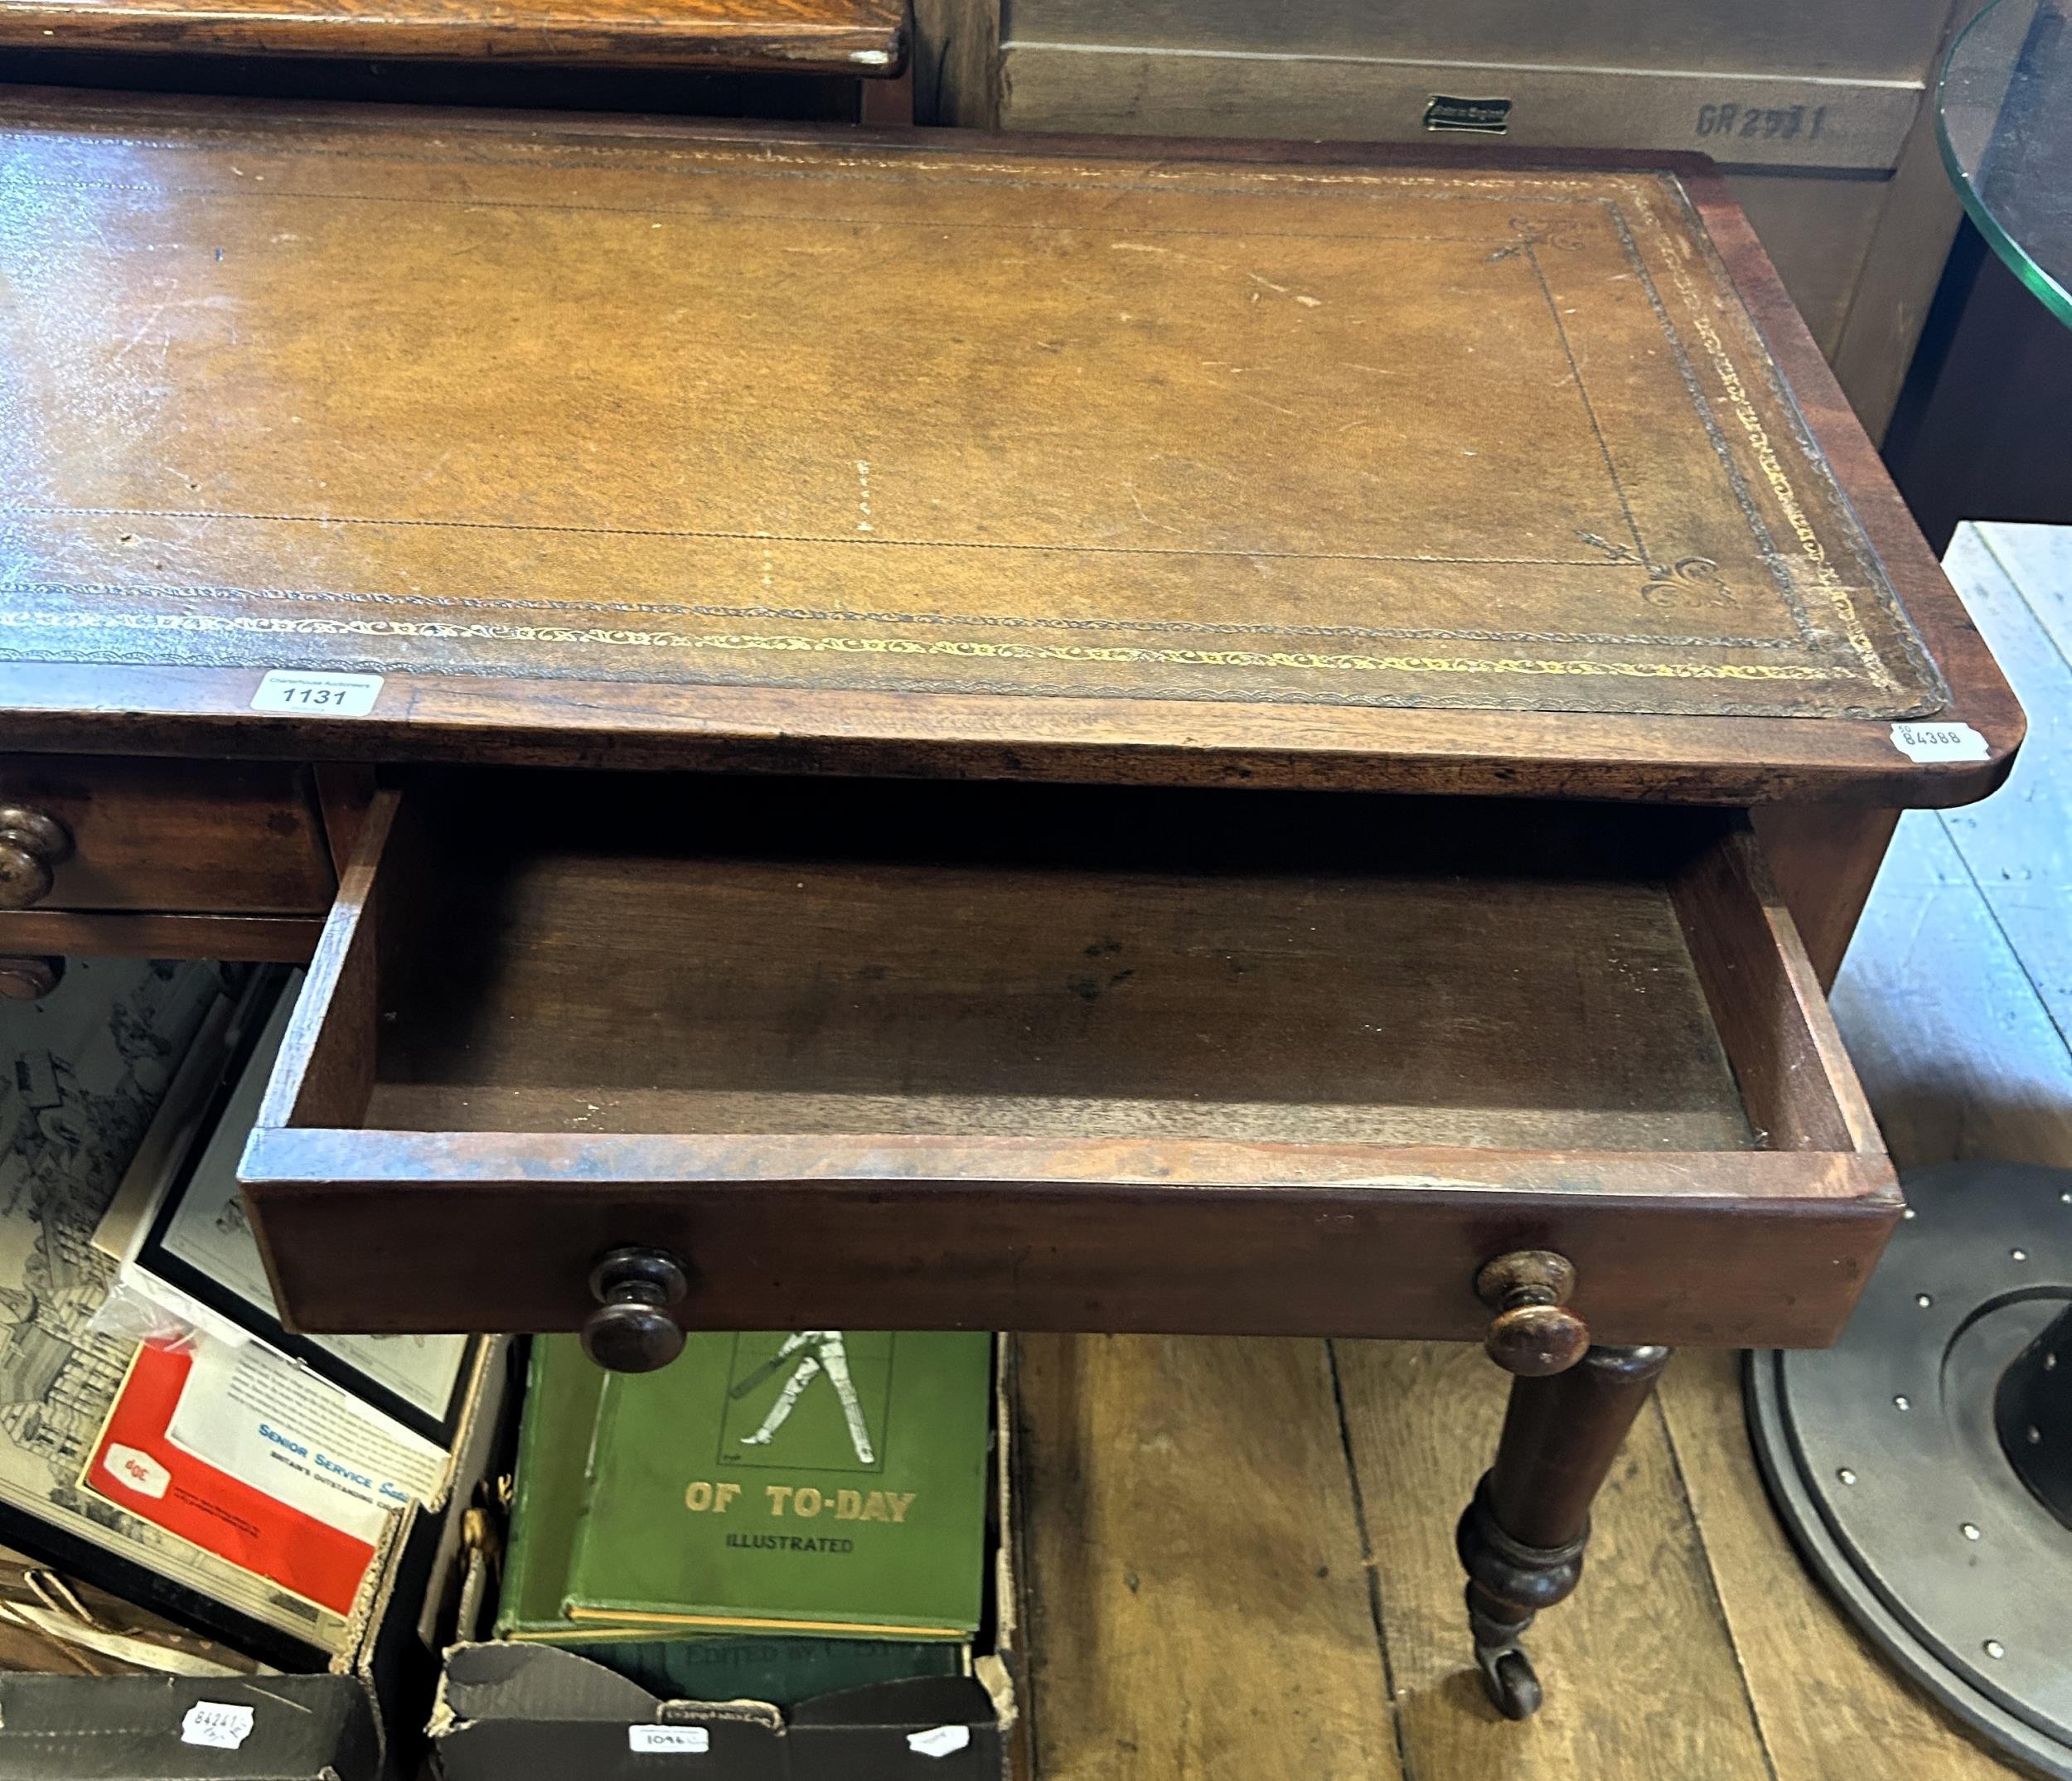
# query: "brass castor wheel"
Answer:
x=1508 y=1680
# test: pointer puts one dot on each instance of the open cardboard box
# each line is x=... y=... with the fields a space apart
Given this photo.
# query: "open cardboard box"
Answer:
x=353 y=1703
x=361 y=1719
x=506 y=1710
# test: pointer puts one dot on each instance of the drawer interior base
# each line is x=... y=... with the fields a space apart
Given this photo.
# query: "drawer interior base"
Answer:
x=765 y=956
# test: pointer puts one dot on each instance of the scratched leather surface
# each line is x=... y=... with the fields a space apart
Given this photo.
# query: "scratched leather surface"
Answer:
x=552 y=404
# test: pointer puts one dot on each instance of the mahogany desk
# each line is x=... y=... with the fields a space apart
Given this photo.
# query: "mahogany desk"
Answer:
x=923 y=730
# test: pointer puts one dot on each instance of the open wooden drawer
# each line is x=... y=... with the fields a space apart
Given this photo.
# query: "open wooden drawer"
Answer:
x=902 y=1055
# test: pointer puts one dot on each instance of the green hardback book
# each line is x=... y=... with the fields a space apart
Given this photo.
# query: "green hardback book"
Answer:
x=562 y=1446
x=830 y=1483
x=778 y=1669
x=563 y=1388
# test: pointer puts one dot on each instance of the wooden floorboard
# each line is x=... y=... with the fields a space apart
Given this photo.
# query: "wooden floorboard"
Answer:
x=1956 y=1051
x=2018 y=843
x=1956 y=998
x=2038 y=559
x=1198 y=1604
x=1828 y=1707
x=1946 y=1005
x=1622 y=1701
x=1242 y=1561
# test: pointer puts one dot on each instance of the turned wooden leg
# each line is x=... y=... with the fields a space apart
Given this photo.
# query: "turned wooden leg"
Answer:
x=1521 y=1539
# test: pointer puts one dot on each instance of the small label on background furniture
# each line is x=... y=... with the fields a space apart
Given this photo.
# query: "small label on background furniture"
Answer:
x=1480 y=116
x=1939 y=742
x=657 y=1740
x=939 y=1740
x=216 y=1725
x=300 y=692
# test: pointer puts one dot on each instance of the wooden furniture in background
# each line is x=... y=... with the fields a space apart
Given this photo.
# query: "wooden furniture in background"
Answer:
x=1819 y=115
x=665 y=493
x=854 y=37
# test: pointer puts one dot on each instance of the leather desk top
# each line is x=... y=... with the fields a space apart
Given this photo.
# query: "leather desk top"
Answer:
x=942 y=454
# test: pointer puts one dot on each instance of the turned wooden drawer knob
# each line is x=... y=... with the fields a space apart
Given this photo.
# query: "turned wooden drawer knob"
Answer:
x=30 y=979
x=633 y=1330
x=1534 y=1333
x=30 y=843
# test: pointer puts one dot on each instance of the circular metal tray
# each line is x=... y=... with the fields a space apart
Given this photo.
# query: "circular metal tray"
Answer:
x=1881 y=1454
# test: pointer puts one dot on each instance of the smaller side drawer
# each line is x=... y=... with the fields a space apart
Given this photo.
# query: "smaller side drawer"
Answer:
x=189 y=837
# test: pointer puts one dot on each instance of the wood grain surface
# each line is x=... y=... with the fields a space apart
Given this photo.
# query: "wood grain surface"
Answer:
x=863 y=37
x=1825 y=859
x=1956 y=1050
x=993 y=1047
x=186 y=837
x=1954 y=997
x=1421 y=1421
x=650 y=423
x=1198 y=1594
x=1946 y=1001
x=2038 y=559
x=2017 y=580
x=1822 y=1695
x=1698 y=1643
x=1204 y=1629
x=873 y=958
x=279 y=939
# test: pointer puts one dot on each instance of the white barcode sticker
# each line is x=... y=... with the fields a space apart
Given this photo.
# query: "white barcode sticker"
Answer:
x=1939 y=742
x=217 y=1725
x=302 y=693
x=657 y=1740
x=939 y=1740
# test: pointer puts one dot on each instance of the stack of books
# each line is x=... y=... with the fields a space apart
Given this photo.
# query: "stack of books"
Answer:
x=776 y=1515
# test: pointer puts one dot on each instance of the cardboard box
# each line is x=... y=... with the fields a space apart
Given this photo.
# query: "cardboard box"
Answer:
x=172 y=1728
x=363 y=1720
x=123 y=1069
x=536 y=1710
x=507 y=1710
